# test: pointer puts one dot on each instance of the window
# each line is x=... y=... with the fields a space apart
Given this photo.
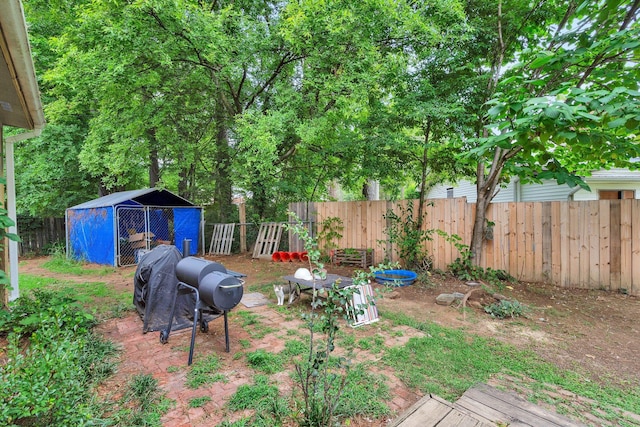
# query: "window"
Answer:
x=450 y=193
x=616 y=194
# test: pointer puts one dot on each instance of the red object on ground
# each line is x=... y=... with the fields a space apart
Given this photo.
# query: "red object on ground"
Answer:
x=295 y=256
x=276 y=257
x=304 y=257
x=285 y=256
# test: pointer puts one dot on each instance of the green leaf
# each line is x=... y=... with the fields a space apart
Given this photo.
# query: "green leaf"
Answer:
x=541 y=60
x=552 y=113
x=617 y=122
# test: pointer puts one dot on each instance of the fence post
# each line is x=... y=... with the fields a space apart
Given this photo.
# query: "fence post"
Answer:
x=242 y=212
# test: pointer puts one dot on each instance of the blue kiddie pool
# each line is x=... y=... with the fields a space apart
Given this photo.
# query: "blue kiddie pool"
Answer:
x=395 y=277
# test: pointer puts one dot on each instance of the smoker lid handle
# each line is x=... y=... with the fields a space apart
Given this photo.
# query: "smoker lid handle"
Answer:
x=239 y=285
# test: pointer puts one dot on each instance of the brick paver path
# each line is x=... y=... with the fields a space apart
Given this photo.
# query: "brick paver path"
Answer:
x=144 y=354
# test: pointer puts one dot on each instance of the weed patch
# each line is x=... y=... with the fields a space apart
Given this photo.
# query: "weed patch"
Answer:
x=205 y=371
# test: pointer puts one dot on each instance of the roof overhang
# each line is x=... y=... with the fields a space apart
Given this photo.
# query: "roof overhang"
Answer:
x=20 y=104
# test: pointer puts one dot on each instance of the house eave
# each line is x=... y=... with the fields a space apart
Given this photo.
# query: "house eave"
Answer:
x=20 y=104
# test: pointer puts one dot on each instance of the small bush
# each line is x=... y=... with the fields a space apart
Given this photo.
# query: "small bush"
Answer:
x=52 y=362
x=505 y=308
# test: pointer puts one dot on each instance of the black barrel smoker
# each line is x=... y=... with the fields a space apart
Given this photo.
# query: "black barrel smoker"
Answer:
x=217 y=291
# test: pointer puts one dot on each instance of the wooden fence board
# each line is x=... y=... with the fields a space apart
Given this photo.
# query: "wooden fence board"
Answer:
x=538 y=271
x=529 y=257
x=604 y=242
x=513 y=241
x=635 y=247
x=556 y=251
x=572 y=244
x=546 y=240
x=625 y=246
x=584 y=244
x=521 y=237
x=615 y=246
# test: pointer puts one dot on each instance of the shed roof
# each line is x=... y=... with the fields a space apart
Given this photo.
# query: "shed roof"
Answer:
x=144 y=197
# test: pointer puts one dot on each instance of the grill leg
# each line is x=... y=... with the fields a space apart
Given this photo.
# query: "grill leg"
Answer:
x=226 y=330
x=196 y=313
x=164 y=335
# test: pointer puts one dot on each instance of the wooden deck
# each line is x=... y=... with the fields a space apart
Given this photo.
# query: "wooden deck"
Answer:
x=480 y=406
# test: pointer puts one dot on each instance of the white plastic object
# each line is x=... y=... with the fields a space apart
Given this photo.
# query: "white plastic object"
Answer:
x=303 y=273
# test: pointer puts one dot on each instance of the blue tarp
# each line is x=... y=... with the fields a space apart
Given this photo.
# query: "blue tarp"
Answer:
x=91 y=235
x=93 y=232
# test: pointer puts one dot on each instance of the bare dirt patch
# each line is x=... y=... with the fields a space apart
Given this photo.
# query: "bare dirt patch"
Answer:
x=594 y=331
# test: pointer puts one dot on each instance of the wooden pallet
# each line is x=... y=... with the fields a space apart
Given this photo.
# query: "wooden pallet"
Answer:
x=359 y=257
x=268 y=240
x=221 y=239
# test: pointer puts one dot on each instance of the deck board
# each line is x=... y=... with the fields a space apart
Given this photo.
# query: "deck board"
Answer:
x=480 y=406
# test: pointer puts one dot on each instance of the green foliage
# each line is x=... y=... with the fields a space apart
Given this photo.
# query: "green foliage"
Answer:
x=321 y=377
x=100 y=299
x=330 y=230
x=365 y=394
x=205 y=371
x=269 y=363
x=5 y=223
x=505 y=308
x=262 y=397
x=465 y=269
x=406 y=234
x=52 y=362
x=448 y=361
x=251 y=323
x=45 y=308
x=294 y=348
x=198 y=402
x=143 y=404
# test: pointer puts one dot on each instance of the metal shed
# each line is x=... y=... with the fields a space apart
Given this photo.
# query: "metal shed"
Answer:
x=119 y=228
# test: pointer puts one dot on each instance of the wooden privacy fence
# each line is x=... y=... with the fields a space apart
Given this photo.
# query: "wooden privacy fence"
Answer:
x=585 y=244
x=38 y=235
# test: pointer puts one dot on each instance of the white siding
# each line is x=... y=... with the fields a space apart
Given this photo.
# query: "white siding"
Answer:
x=547 y=191
x=463 y=188
x=606 y=185
x=508 y=193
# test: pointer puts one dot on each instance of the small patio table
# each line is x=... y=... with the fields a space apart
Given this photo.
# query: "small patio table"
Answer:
x=297 y=286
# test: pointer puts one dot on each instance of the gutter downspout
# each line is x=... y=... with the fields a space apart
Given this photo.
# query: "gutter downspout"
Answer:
x=572 y=192
x=11 y=207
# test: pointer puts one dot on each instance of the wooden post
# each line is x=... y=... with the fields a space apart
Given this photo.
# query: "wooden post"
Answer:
x=243 y=228
x=4 y=253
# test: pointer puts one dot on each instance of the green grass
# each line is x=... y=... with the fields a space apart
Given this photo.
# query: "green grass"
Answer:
x=262 y=397
x=198 y=402
x=365 y=394
x=266 y=362
x=97 y=296
x=205 y=371
x=251 y=323
x=447 y=362
x=60 y=264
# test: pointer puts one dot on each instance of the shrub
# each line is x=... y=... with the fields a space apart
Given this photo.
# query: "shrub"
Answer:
x=505 y=308
x=52 y=361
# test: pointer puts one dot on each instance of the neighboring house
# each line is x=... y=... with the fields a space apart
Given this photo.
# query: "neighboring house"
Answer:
x=604 y=184
x=20 y=107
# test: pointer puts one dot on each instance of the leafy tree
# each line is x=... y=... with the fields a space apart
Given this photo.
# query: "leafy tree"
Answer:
x=567 y=107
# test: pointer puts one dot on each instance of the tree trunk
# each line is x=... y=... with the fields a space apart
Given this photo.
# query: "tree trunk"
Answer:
x=223 y=186
x=486 y=185
x=154 y=163
x=423 y=178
